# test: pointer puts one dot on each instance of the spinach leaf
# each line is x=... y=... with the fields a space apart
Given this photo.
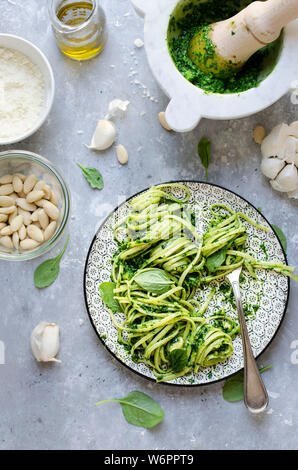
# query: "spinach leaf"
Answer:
x=215 y=260
x=233 y=388
x=204 y=153
x=106 y=290
x=155 y=281
x=139 y=409
x=93 y=176
x=178 y=359
x=47 y=272
x=281 y=236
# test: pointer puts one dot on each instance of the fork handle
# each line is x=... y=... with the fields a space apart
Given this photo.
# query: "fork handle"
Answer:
x=255 y=394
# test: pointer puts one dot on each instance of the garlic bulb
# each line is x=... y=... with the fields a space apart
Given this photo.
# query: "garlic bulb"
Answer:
x=45 y=342
x=280 y=158
x=104 y=135
x=117 y=109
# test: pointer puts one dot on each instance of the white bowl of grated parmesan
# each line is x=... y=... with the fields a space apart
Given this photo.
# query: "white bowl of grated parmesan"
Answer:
x=27 y=89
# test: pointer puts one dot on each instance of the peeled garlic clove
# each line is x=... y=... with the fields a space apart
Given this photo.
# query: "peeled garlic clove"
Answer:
x=104 y=135
x=286 y=180
x=45 y=342
x=273 y=144
x=117 y=109
x=270 y=167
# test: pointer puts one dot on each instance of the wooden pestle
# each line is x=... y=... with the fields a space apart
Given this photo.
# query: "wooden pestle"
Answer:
x=234 y=40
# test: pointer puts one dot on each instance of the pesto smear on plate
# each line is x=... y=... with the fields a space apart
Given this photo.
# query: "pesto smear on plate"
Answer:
x=191 y=16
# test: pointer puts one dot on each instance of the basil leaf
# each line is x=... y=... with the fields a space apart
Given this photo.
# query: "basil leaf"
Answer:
x=204 y=153
x=178 y=359
x=155 y=281
x=233 y=388
x=106 y=290
x=47 y=272
x=215 y=260
x=139 y=409
x=93 y=176
x=281 y=236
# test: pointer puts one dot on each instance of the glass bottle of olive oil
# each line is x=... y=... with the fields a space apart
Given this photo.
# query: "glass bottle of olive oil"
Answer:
x=79 y=27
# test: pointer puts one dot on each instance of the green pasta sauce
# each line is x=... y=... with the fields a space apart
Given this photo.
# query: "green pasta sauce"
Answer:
x=191 y=16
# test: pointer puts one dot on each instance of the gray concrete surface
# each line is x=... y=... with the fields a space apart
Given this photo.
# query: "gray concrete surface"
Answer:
x=52 y=406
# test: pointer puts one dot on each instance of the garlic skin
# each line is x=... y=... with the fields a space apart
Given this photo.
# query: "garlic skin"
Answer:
x=104 y=135
x=117 y=109
x=280 y=158
x=45 y=342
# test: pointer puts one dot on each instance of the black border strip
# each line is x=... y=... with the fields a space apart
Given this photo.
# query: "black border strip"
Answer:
x=85 y=273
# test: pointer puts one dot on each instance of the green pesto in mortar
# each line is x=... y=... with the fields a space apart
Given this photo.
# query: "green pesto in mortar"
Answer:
x=188 y=18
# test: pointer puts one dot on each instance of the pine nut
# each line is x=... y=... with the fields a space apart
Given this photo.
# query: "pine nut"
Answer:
x=51 y=210
x=12 y=215
x=17 y=184
x=34 y=215
x=6 y=179
x=54 y=198
x=2 y=225
x=26 y=206
x=3 y=217
x=6 y=231
x=7 y=210
x=6 y=201
x=43 y=219
x=26 y=216
x=34 y=196
x=35 y=233
x=39 y=185
x=29 y=183
x=17 y=223
x=47 y=191
x=122 y=154
x=15 y=240
x=6 y=242
x=21 y=176
x=49 y=231
x=22 y=233
x=6 y=189
x=28 y=244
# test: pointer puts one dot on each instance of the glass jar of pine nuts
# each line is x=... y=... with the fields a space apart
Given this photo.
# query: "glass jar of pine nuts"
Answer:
x=79 y=27
x=25 y=164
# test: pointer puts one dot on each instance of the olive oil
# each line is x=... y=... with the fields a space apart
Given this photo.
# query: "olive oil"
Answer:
x=83 y=33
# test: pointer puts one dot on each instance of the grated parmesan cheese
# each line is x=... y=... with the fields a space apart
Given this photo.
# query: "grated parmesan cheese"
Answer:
x=22 y=93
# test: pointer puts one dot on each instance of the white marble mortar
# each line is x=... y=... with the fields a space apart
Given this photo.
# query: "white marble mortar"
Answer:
x=188 y=103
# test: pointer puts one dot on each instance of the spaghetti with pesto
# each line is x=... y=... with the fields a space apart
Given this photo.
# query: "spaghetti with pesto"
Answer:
x=161 y=264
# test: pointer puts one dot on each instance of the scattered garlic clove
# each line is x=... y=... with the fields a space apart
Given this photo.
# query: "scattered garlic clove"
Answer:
x=104 y=135
x=122 y=154
x=270 y=167
x=287 y=179
x=45 y=342
x=117 y=109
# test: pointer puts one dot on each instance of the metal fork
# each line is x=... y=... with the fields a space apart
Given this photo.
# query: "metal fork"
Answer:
x=255 y=394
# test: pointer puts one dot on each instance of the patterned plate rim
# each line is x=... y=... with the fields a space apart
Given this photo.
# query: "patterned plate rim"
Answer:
x=85 y=276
